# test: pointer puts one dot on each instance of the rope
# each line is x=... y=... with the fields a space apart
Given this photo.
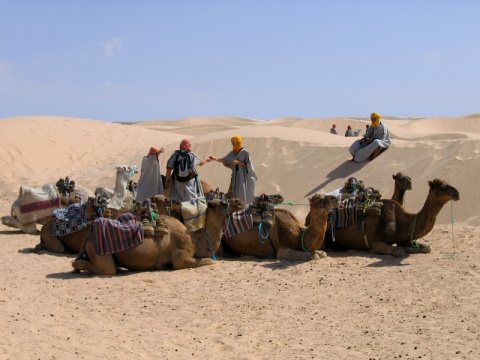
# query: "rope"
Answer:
x=455 y=253
x=292 y=204
x=303 y=235
x=210 y=245
x=413 y=241
x=262 y=228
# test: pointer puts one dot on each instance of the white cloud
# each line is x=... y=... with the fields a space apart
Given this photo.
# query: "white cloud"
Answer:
x=111 y=47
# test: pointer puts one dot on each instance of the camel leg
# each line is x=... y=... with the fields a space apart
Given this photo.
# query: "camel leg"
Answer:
x=52 y=244
x=190 y=262
x=291 y=254
x=98 y=264
x=381 y=247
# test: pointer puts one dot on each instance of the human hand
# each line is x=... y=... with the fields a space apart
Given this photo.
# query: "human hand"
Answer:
x=162 y=150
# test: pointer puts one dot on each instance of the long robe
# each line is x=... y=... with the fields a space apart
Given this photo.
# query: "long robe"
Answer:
x=244 y=179
x=150 y=181
x=185 y=191
x=382 y=139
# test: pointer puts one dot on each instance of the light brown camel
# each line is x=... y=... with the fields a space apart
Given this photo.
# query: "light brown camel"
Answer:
x=402 y=184
x=69 y=243
x=287 y=238
x=179 y=248
x=378 y=238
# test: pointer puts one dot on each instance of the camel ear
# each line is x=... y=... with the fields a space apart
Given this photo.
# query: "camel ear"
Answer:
x=430 y=183
x=394 y=177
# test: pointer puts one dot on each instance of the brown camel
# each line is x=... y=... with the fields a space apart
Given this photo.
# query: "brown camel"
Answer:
x=287 y=238
x=178 y=248
x=70 y=243
x=379 y=237
x=402 y=184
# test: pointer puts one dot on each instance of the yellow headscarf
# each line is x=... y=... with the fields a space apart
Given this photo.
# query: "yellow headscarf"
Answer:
x=375 y=117
x=238 y=145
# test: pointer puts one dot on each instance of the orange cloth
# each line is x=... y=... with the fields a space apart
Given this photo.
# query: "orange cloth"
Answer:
x=153 y=150
x=185 y=145
x=238 y=146
x=375 y=120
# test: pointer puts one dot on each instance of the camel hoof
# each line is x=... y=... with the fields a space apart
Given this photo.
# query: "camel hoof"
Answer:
x=422 y=249
x=321 y=254
x=398 y=252
x=39 y=246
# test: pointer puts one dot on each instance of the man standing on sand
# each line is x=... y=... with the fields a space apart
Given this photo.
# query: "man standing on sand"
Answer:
x=375 y=140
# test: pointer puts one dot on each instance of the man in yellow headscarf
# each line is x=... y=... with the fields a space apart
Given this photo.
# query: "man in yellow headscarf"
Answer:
x=244 y=179
x=375 y=140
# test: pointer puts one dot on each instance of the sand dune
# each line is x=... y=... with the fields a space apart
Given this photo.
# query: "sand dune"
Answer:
x=350 y=305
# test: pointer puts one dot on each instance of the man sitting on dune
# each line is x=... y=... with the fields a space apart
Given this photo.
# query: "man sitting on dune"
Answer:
x=375 y=141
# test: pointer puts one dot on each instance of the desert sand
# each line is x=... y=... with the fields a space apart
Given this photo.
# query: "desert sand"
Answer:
x=350 y=305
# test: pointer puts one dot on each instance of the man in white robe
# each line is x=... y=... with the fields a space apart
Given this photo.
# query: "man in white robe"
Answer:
x=375 y=140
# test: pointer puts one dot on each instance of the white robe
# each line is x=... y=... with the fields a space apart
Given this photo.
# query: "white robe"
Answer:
x=382 y=139
x=244 y=179
x=150 y=181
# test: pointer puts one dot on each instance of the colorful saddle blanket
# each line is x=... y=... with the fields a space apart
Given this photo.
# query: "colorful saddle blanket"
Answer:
x=117 y=235
x=344 y=216
x=238 y=222
x=69 y=220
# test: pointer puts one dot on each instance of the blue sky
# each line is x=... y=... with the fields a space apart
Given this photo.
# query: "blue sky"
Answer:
x=141 y=60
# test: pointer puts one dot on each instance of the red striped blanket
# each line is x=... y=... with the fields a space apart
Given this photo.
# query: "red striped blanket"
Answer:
x=344 y=216
x=238 y=222
x=117 y=235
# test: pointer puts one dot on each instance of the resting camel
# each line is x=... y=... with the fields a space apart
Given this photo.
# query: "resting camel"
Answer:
x=287 y=238
x=69 y=243
x=117 y=196
x=378 y=238
x=35 y=206
x=178 y=248
x=402 y=184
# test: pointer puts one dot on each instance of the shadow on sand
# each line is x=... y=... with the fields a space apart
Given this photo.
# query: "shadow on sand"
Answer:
x=343 y=171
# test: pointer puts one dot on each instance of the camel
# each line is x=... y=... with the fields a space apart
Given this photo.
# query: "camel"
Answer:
x=117 y=197
x=287 y=238
x=69 y=243
x=379 y=238
x=178 y=249
x=35 y=206
x=402 y=184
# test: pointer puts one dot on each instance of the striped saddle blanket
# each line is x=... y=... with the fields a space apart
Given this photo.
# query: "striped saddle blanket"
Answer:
x=345 y=216
x=69 y=220
x=238 y=222
x=117 y=235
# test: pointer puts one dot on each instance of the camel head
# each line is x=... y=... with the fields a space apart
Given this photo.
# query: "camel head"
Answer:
x=404 y=181
x=442 y=191
x=128 y=169
x=327 y=201
x=226 y=207
x=165 y=203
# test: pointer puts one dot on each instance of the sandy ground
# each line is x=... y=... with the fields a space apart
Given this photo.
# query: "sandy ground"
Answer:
x=351 y=305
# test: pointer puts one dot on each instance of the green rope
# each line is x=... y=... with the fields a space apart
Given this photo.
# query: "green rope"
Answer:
x=303 y=234
x=455 y=253
x=413 y=242
x=292 y=204
x=153 y=216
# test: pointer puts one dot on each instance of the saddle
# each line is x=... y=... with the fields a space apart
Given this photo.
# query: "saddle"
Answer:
x=66 y=189
x=153 y=223
x=262 y=209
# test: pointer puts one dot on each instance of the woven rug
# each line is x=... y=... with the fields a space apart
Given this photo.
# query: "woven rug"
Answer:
x=69 y=220
x=117 y=235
